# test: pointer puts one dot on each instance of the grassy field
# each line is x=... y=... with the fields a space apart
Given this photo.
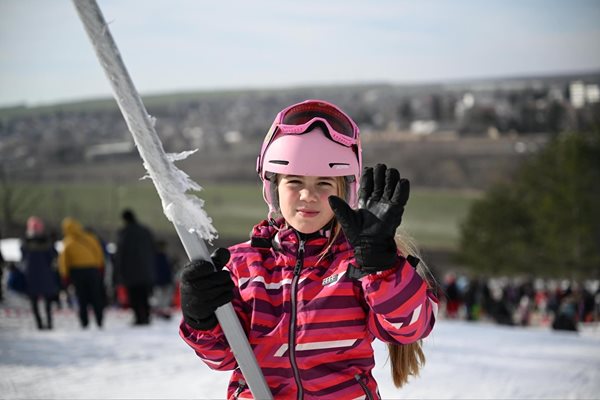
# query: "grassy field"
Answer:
x=432 y=217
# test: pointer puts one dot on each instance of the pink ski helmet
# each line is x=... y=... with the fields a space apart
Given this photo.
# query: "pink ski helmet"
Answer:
x=312 y=138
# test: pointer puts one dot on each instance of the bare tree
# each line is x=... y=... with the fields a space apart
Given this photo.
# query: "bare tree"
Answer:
x=14 y=201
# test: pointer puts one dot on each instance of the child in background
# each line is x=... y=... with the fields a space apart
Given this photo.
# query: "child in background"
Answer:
x=319 y=280
x=39 y=258
x=163 y=284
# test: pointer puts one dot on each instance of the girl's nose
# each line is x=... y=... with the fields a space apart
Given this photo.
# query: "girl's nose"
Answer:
x=308 y=195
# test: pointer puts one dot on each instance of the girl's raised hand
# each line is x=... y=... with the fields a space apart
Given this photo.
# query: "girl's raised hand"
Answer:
x=371 y=228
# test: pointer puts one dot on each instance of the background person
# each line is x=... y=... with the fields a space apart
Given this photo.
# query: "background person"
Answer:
x=39 y=258
x=163 y=285
x=135 y=262
x=1 y=275
x=80 y=263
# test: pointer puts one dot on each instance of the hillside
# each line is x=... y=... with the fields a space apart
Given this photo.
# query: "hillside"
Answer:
x=452 y=135
x=457 y=136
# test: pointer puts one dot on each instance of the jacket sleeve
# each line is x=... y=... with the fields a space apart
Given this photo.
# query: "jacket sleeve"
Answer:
x=402 y=309
x=63 y=264
x=212 y=346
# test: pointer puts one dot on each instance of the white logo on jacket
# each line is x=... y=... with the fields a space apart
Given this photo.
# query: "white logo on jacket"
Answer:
x=330 y=280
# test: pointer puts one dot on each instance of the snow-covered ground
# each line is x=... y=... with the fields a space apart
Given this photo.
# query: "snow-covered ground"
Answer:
x=464 y=361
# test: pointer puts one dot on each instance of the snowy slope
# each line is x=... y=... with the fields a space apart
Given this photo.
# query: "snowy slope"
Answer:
x=464 y=361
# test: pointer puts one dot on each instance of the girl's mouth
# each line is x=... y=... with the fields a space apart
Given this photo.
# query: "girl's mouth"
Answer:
x=307 y=213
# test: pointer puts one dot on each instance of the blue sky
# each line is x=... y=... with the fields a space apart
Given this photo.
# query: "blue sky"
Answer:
x=171 y=45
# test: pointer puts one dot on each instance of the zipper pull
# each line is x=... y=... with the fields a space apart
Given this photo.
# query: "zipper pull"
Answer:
x=240 y=389
x=300 y=258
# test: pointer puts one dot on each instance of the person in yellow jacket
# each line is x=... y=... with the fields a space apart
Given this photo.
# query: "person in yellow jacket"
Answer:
x=81 y=262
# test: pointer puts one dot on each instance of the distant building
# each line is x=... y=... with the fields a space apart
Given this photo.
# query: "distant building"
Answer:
x=109 y=151
x=582 y=94
x=592 y=93
x=423 y=127
x=577 y=94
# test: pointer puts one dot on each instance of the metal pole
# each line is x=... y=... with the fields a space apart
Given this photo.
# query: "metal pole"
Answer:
x=155 y=160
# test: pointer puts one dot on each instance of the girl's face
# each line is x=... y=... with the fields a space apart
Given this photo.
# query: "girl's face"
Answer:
x=303 y=201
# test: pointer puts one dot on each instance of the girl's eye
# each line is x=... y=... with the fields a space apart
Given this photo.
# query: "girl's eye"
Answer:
x=325 y=184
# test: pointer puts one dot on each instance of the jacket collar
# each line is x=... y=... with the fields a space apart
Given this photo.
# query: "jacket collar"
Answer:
x=278 y=235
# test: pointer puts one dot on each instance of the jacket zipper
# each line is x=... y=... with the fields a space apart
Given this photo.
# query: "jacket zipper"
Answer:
x=240 y=389
x=292 y=333
x=359 y=379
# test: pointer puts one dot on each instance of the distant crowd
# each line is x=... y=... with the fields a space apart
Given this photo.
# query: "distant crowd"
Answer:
x=87 y=274
x=561 y=304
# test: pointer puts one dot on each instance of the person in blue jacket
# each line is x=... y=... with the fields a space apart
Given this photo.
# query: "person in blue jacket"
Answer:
x=39 y=258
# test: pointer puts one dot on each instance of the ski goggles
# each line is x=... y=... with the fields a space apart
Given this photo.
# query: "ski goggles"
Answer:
x=298 y=118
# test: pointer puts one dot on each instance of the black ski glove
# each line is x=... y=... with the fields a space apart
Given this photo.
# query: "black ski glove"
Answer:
x=371 y=228
x=203 y=290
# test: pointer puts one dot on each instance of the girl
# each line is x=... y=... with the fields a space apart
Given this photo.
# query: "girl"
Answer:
x=314 y=287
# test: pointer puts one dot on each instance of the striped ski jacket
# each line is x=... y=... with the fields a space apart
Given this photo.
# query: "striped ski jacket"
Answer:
x=309 y=323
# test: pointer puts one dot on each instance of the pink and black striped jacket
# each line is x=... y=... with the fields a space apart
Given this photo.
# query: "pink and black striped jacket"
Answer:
x=310 y=324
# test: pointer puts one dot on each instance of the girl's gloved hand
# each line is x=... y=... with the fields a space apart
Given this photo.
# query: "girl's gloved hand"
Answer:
x=371 y=228
x=203 y=290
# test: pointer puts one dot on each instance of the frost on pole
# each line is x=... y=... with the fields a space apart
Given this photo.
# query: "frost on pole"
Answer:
x=181 y=208
x=172 y=184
